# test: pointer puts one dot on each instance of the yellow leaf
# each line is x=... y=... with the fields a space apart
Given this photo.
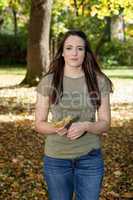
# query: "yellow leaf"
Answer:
x=128 y=195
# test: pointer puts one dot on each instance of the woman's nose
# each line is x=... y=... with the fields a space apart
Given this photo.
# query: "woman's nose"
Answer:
x=74 y=52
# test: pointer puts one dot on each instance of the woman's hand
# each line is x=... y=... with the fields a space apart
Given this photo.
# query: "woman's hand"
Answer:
x=61 y=131
x=76 y=130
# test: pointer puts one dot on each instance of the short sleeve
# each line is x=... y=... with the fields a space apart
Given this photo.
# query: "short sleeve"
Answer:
x=44 y=86
x=104 y=86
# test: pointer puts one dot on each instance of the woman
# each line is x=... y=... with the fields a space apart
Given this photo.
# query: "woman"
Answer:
x=74 y=86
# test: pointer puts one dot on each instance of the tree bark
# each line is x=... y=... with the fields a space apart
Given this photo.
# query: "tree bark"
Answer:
x=1 y=22
x=38 y=41
x=15 y=22
x=114 y=29
x=106 y=36
x=76 y=8
x=118 y=28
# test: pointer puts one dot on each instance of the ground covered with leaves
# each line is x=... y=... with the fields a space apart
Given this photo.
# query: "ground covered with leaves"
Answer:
x=22 y=149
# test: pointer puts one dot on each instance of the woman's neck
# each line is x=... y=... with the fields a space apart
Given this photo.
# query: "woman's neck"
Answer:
x=73 y=72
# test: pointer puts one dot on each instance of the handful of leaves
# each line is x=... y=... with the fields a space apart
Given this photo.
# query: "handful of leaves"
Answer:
x=65 y=122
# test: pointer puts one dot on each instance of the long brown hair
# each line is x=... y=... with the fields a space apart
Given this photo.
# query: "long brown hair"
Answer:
x=89 y=66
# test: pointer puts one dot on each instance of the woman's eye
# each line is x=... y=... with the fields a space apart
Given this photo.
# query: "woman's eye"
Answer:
x=78 y=48
x=68 y=48
x=81 y=49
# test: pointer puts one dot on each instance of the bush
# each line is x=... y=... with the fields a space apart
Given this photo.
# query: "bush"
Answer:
x=117 y=53
x=13 y=49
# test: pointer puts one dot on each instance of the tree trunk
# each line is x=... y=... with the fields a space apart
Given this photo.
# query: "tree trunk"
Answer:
x=1 y=21
x=82 y=5
x=15 y=22
x=75 y=8
x=38 y=41
x=117 y=28
x=106 y=36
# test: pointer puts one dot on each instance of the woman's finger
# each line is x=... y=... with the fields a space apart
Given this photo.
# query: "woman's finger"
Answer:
x=61 y=131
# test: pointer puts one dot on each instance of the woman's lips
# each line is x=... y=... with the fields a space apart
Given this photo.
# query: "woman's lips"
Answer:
x=74 y=59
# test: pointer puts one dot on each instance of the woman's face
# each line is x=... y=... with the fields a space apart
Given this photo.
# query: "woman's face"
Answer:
x=74 y=51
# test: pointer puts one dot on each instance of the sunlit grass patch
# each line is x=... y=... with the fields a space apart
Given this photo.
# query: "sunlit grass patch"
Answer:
x=119 y=73
x=12 y=70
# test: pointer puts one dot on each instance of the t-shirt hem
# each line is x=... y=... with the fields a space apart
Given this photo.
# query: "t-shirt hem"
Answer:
x=73 y=156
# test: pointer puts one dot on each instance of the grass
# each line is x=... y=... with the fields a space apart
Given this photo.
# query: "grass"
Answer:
x=123 y=73
x=13 y=70
x=119 y=73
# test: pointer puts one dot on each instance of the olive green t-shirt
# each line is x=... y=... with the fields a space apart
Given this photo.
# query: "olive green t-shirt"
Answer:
x=75 y=101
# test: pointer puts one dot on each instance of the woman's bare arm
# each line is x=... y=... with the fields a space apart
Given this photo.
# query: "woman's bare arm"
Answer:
x=41 y=115
x=103 y=120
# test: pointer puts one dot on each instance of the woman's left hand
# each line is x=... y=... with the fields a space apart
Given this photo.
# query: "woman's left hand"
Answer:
x=76 y=130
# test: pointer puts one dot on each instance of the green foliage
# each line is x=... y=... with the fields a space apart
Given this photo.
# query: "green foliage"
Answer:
x=12 y=49
x=20 y=7
x=90 y=18
x=3 y=4
x=88 y=15
x=117 y=53
x=104 y=8
x=59 y=17
x=63 y=18
x=129 y=30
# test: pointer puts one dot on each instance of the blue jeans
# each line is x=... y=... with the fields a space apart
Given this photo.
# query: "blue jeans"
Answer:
x=81 y=175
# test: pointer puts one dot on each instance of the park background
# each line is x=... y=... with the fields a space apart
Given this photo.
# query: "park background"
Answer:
x=29 y=34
